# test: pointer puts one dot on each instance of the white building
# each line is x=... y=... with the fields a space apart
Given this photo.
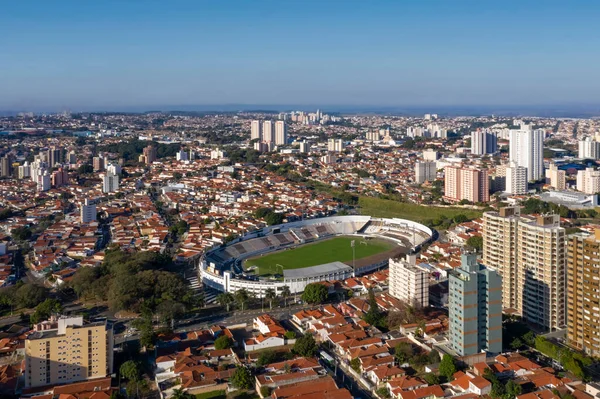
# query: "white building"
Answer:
x=304 y=147
x=88 y=211
x=24 y=171
x=217 y=154
x=114 y=169
x=256 y=130
x=425 y=171
x=483 y=142
x=44 y=182
x=527 y=150
x=268 y=131
x=182 y=156
x=589 y=148
x=430 y=155
x=516 y=179
x=110 y=183
x=409 y=282
x=588 y=181
x=281 y=136
x=335 y=145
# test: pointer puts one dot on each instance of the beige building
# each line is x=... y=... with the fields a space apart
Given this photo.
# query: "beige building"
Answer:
x=65 y=350
x=588 y=181
x=466 y=184
x=583 y=292
x=529 y=253
x=558 y=178
x=409 y=282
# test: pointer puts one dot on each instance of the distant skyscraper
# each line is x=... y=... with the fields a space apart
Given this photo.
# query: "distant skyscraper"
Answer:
x=529 y=254
x=516 y=179
x=588 y=181
x=150 y=154
x=304 y=147
x=6 y=166
x=425 y=171
x=268 y=131
x=589 y=148
x=54 y=156
x=483 y=142
x=88 y=211
x=110 y=183
x=475 y=308
x=557 y=177
x=409 y=282
x=256 y=130
x=335 y=145
x=60 y=178
x=527 y=150
x=280 y=133
x=98 y=163
x=43 y=181
x=469 y=184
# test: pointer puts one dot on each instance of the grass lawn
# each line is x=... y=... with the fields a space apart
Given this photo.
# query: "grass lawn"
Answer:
x=419 y=213
x=212 y=395
x=334 y=249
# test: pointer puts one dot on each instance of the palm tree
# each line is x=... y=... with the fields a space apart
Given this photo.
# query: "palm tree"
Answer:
x=225 y=299
x=270 y=294
x=241 y=297
x=285 y=293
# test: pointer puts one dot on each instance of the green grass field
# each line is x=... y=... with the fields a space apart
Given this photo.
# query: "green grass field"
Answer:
x=419 y=213
x=334 y=249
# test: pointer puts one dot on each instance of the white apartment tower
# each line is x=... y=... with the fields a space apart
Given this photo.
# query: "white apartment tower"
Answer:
x=516 y=179
x=110 y=183
x=255 y=130
x=425 y=171
x=268 y=131
x=527 y=150
x=589 y=148
x=529 y=253
x=88 y=211
x=335 y=145
x=409 y=282
x=483 y=142
x=280 y=133
x=588 y=181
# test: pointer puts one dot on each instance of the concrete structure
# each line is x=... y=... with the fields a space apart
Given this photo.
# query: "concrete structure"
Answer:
x=24 y=171
x=483 y=142
x=98 y=163
x=59 y=178
x=558 y=178
x=335 y=145
x=114 y=169
x=110 y=183
x=149 y=154
x=88 y=211
x=256 y=130
x=515 y=179
x=430 y=155
x=571 y=199
x=425 y=171
x=527 y=150
x=529 y=254
x=409 y=282
x=304 y=147
x=462 y=183
x=373 y=135
x=475 y=308
x=281 y=135
x=588 y=181
x=583 y=288
x=268 y=131
x=54 y=156
x=182 y=155
x=64 y=350
x=6 y=166
x=44 y=181
x=589 y=148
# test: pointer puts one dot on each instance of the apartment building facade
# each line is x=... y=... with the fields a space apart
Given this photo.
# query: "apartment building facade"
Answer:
x=409 y=282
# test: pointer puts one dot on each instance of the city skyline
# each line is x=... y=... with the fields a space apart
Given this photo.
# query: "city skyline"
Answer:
x=122 y=56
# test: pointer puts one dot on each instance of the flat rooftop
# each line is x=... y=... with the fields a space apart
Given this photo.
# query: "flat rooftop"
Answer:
x=326 y=268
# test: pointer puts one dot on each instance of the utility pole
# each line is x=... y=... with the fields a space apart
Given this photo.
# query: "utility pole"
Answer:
x=352 y=244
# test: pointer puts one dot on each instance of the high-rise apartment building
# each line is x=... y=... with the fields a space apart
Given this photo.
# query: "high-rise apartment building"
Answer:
x=110 y=183
x=462 y=183
x=88 y=211
x=430 y=155
x=409 y=282
x=98 y=163
x=268 y=131
x=588 y=181
x=558 y=178
x=24 y=171
x=335 y=145
x=483 y=142
x=583 y=292
x=59 y=178
x=589 y=148
x=304 y=147
x=66 y=350
x=529 y=254
x=475 y=308
x=43 y=180
x=281 y=136
x=515 y=179
x=527 y=150
x=182 y=155
x=54 y=156
x=256 y=130
x=425 y=171
x=149 y=154
x=6 y=166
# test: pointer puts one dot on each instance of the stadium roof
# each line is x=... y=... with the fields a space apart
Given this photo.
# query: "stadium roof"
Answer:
x=326 y=268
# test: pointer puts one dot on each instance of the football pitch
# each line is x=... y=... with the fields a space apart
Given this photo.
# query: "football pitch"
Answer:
x=331 y=250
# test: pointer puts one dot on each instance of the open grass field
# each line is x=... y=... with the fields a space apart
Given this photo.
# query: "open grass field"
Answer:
x=419 y=213
x=334 y=249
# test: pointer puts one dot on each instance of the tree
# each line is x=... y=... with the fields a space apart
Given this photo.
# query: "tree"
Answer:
x=475 y=242
x=315 y=293
x=306 y=346
x=181 y=394
x=45 y=309
x=270 y=295
x=266 y=357
x=516 y=343
x=225 y=299
x=431 y=379
x=130 y=370
x=434 y=356
x=529 y=338
x=513 y=390
x=460 y=218
x=241 y=378
x=447 y=366
x=285 y=293
x=29 y=295
x=383 y=392
x=403 y=352
x=373 y=316
x=223 y=342
x=241 y=297
x=355 y=364
x=290 y=334
x=21 y=233
x=147 y=334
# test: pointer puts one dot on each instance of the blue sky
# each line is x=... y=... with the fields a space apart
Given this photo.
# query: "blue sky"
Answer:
x=117 y=54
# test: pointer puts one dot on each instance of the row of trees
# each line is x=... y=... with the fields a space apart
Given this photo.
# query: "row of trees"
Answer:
x=270 y=217
x=131 y=150
x=241 y=298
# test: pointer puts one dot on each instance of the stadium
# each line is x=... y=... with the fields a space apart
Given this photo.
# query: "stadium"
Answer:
x=299 y=253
